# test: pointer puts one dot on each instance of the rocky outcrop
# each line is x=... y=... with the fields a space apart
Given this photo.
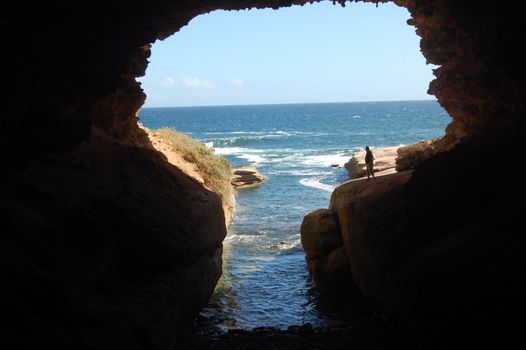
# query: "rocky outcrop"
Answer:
x=104 y=247
x=409 y=156
x=326 y=256
x=246 y=177
x=384 y=162
x=431 y=269
x=178 y=159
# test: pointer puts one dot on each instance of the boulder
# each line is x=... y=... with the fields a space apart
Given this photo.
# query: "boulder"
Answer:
x=320 y=233
x=326 y=256
x=247 y=177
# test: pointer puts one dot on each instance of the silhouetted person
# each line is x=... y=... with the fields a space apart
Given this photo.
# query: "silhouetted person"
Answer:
x=369 y=162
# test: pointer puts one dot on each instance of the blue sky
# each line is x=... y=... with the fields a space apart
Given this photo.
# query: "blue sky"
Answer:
x=315 y=53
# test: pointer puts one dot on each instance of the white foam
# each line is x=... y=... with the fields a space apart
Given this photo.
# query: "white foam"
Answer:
x=229 y=150
x=233 y=140
x=242 y=237
x=326 y=160
x=253 y=158
x=209 y=144
x=236 y=150
x=226 y=132
x=287 y=245
x=307 y=173
x=310 y=182
x=242 y=132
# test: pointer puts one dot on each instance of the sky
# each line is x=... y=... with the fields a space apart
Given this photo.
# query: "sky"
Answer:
x=302 y=54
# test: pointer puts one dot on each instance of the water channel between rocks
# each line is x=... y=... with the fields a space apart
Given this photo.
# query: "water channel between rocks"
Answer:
x=265 y=280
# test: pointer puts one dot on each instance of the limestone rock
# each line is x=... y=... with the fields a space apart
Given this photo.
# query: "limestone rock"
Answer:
x=384 y=162
x=247 y=177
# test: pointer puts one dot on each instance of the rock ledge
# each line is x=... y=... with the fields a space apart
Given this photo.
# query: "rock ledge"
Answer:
x=246 y=177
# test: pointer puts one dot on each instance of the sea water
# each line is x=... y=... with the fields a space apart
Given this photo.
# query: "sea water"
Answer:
x=302 y=149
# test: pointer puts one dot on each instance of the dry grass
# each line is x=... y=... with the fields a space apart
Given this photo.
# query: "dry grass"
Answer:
x=215 y=170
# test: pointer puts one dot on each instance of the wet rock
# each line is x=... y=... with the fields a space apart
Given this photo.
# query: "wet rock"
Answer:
x=370 y=335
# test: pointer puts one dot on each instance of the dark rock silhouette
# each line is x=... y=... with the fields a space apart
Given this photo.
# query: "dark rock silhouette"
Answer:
x=105 y=245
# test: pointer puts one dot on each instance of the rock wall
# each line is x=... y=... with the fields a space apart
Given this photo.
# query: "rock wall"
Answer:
x=103 y=242
x=101 y=249
x=440 y=250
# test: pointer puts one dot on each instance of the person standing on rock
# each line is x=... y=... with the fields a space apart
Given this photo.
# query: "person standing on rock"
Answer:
x=369 y=162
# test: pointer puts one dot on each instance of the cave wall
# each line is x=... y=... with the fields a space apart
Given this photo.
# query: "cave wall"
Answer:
x=72 y=180
x=107 y=246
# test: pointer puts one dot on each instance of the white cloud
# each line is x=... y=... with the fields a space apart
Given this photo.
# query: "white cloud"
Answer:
x=237 y=82
x=169 y=82
x=197 y=83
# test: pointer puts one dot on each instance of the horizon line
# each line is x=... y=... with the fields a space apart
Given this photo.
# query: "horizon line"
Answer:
x=289 y=103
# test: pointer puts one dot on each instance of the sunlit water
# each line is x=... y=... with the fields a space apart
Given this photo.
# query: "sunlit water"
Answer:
x=301 y=148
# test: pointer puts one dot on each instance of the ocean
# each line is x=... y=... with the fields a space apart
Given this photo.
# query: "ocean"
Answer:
x=302 y=149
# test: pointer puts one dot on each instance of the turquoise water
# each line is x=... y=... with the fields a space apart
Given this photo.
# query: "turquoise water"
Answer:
x=265 y=280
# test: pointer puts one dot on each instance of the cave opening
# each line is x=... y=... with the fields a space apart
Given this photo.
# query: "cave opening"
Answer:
x=106 y=245
x=298 y=121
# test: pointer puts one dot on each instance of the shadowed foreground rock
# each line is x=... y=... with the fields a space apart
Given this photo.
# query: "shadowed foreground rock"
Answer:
x=370 y=336
x=326 y=256
x=423 y=248
x=116 y=258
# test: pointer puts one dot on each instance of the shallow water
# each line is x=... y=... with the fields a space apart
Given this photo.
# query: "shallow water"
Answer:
x=301 y=148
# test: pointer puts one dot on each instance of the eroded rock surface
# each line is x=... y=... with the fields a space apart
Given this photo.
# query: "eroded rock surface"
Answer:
x=247 y=177
x=326 y=256
x=101 y=245
x=107 y=246
x=423 y=249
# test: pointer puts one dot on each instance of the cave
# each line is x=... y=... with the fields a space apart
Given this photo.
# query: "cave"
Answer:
x=105 y=245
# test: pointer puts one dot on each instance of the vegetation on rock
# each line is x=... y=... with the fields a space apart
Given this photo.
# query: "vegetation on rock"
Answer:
x=215 y=170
